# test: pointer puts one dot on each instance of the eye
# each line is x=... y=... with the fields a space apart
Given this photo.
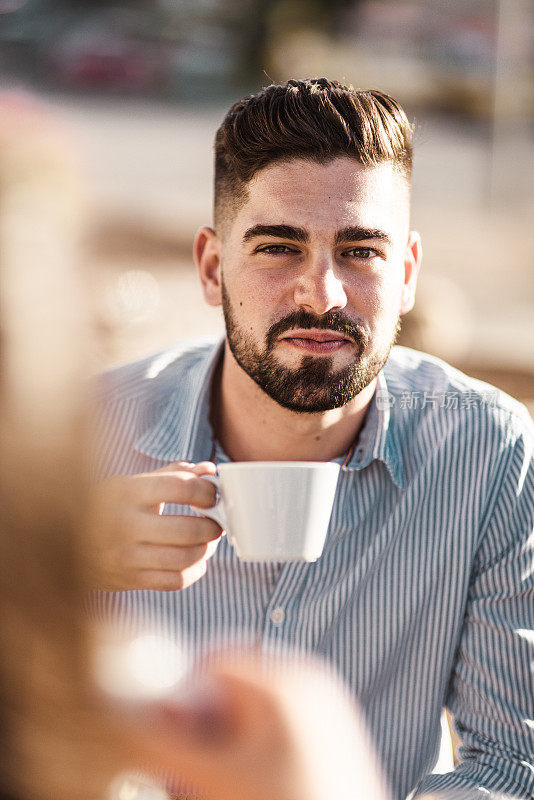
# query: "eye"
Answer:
x=275 y=249
x=363 y=253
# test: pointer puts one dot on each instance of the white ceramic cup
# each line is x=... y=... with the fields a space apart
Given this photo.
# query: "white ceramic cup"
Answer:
x=275 y=510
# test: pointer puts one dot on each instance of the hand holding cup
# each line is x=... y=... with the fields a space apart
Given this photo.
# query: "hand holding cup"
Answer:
x=135 y=546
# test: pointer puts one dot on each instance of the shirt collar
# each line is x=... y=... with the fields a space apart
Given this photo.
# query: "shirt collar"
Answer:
x=377 y=439
x=183 y=431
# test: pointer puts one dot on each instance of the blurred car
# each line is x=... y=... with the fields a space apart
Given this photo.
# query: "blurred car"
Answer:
x=97 y=54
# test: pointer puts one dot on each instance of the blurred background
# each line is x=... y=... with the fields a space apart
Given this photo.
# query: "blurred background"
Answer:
x=141 y=87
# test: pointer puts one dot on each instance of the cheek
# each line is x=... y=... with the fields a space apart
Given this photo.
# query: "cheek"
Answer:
x=259 y=297
x=251 y=309
x=368 y=295
x=378 y=301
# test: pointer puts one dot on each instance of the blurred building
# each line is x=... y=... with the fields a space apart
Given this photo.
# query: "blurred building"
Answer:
x=440 y=55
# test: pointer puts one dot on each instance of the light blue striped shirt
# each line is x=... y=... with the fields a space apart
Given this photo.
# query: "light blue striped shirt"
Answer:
x=424 y=595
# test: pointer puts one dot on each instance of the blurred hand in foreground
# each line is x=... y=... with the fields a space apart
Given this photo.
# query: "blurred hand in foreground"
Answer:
x=250 y=730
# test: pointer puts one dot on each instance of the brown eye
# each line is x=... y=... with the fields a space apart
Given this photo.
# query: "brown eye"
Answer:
x=360 y=252
x=275 y=249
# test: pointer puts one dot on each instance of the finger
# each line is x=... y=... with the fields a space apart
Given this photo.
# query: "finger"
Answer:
x=168 y=580
x=211 y=547
x=159 y=580
x=205 y=468
x=154 y=557
x=192 y=574
x=151 y=489
x=175 y=466
x=174 y=530
x=202 y=468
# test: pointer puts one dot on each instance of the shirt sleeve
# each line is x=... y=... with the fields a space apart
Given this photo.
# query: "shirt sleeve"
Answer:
x=491 y=691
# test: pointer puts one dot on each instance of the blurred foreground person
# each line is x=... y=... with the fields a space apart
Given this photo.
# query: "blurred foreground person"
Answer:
x=244 y=729
x=424 y=594
x=51 y=730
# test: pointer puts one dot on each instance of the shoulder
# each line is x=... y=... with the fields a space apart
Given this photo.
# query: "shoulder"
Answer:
x=155 y=376
x=427 y=393
x=144 y=410
x=409 y=370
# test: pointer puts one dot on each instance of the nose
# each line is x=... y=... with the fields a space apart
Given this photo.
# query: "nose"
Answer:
x=318 y=288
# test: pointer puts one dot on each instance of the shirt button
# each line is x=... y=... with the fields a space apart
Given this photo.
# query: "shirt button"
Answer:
x=277 y=616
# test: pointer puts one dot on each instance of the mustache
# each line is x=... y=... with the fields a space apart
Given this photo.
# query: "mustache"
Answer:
x=332 y=321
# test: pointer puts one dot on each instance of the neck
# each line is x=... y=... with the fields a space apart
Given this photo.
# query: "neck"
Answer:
x=251 y=426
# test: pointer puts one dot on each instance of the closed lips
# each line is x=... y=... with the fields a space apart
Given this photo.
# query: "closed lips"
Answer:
x=316 y=341
x=316 y=336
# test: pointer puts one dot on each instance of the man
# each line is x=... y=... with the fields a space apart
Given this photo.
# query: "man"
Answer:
x=424 y=594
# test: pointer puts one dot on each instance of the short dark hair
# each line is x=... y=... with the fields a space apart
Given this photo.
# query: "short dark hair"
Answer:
x=316 y=120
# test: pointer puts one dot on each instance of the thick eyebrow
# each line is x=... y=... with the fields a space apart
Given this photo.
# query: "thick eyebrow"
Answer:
x=355 y=233
x=277 y=231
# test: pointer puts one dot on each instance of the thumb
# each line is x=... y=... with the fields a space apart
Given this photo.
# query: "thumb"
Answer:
x=202 y=468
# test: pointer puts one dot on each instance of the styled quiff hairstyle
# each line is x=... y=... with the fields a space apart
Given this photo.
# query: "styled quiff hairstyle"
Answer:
x=316 y=120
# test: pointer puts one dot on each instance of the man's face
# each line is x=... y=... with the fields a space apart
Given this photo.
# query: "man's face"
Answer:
x=313 y=274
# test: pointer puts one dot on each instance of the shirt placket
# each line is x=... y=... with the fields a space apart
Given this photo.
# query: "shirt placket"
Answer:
x=283 y=603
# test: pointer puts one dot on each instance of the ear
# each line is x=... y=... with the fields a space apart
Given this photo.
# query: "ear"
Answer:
x=207 y=255
x=412 y=264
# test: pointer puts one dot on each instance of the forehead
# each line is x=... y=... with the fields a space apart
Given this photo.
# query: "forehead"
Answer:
x=323 y=197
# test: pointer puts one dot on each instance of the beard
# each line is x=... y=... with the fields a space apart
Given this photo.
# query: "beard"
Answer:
x=314 y=386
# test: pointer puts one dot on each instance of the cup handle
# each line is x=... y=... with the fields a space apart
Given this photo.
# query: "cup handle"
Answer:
x=215 y=512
